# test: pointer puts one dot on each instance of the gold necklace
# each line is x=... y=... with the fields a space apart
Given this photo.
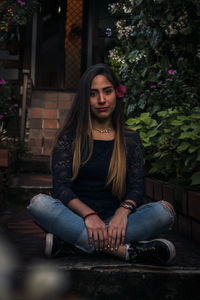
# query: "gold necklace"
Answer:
x=106 y=131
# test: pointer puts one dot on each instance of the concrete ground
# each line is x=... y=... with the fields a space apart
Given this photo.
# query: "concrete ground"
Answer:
x=102 y=276
x=78 y=275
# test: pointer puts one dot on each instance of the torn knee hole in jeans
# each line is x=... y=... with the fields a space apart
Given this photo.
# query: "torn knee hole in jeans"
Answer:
x=169 y=206
x=34 y=198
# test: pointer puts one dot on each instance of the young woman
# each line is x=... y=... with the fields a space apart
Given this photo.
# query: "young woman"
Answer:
x=98 y=181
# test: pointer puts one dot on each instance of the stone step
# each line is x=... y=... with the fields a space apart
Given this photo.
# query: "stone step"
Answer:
x=34 y=164
x=98 y=276
x=22 y=187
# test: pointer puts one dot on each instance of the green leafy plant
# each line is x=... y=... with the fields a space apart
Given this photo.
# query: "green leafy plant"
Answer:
x=155 y=37
x=172 y=144
x=16 y=13
x=9 y=100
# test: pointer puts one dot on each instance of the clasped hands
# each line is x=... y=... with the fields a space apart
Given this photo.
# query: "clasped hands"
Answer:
x=107 y=239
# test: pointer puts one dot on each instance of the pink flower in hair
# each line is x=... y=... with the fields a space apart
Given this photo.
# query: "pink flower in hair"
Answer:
x=121 y=89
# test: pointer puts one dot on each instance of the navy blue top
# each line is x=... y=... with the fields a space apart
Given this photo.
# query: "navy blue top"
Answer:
x=89 y=186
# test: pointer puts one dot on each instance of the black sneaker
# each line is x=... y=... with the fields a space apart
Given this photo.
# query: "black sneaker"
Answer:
x=157 y=251
x=53 y=245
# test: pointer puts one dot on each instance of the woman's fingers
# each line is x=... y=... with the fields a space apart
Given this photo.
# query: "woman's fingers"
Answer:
x=90 y=238
x=105 y=234
x=123 y=236
x=113 y=239
x=96 y=239
x=118 y=239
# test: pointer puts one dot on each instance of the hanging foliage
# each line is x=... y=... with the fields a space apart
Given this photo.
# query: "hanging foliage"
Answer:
x=15 y=13
x=158 y=53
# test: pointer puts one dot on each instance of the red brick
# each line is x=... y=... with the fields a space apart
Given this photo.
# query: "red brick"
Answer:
x=64 y=104
x=194 y=205
x=149 y=187
x=50 y=114
x=61 y=122
x=66 y=96
x=185 y=226
x=36 y=150
x=6 y=157
x=50 y=104
x=35 y=133
x=48 y=144
x=50 y=124
x=35 y=142
x=50 y=133
x=35 y=123
x=196 y=231
x=37 y=102
x=36 y=112
x=158 y=190
x=180 y=200
x=168 y=193
x=51 y=96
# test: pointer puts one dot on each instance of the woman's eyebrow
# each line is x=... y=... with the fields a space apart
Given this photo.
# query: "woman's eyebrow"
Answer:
x=107 y=87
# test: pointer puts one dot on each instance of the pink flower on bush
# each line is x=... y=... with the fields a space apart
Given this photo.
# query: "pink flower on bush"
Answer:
x=16 y=105
x=1 y=116
x=121 y=89
x=159 y=83
x=21 y=2
x=168 y=79
x=2 y=82
x=153 y=86
x=172 y=72
x=141 y=95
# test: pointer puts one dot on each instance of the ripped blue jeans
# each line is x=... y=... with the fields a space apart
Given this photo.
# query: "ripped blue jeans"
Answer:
x=149 y=221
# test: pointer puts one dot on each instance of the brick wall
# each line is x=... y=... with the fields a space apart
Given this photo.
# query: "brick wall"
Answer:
x=46 y=115
x=186 y=204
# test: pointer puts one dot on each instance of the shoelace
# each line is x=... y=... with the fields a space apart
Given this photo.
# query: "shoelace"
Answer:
x=146 y=253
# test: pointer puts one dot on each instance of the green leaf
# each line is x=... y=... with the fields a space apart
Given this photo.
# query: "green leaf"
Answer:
x=193 y=149
x=155 y=155
x=138 y=2
x=195 y=178
x=167 y=130
x=186 y=135
x=152 y=133
x=183 y=146
x=131 y=121
x=176 y=122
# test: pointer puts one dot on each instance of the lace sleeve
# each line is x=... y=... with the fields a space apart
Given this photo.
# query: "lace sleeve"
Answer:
x=135 y=169
x=62 y=169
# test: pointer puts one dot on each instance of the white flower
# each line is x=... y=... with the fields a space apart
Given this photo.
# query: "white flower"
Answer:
x=127 y=10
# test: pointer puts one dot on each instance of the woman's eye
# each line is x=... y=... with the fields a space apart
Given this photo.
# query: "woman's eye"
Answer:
x=93 y=93
x=108 y=92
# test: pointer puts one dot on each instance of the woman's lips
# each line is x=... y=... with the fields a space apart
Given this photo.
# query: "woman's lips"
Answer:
x=103 y=108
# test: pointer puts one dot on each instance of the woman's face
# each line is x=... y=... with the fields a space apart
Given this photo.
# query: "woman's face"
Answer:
x=102 y=97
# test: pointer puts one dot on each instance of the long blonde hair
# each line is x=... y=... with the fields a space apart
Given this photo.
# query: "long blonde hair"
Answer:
x=79 y=120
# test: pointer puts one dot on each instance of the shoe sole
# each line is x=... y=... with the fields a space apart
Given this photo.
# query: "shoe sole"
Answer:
x=171 y=247
x=48 y=244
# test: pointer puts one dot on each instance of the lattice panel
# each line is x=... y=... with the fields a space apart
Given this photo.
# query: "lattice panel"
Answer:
x=73 y=43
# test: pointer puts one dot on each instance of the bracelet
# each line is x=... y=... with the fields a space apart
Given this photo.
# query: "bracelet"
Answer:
x=128 y=205
x=90 y=214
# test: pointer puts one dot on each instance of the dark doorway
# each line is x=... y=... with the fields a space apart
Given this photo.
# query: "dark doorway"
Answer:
x=51 y=45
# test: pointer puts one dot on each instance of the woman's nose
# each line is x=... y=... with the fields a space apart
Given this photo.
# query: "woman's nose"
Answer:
x=101 y=98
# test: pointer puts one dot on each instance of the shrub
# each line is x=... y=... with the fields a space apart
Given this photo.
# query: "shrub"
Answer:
x=9 y=99
x=155 y=37
x=171 y=143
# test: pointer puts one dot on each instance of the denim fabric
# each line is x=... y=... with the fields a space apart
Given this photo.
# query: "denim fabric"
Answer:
x=53 y=216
